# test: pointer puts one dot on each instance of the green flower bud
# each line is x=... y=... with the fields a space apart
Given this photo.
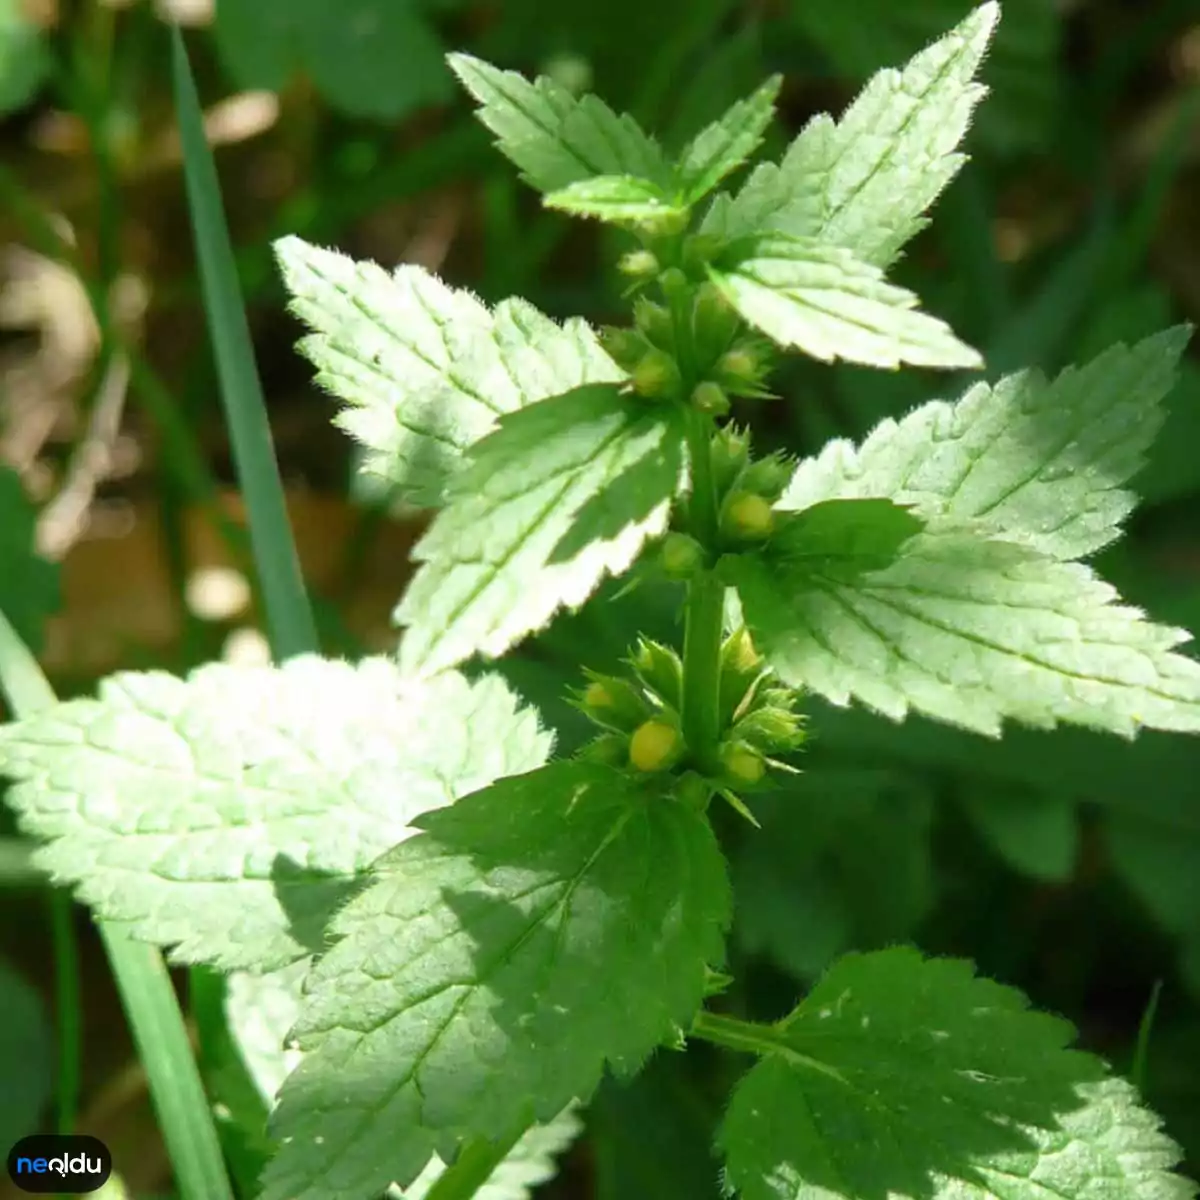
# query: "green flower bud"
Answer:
x=656 y=376
x=767 y=477
x=746 y=517
x=625 y=347
x=654 y=323
x=655 y=746
x=739 y=367
x=710 y=398
x=681 y=556
x=693 y=792
x=639 y=264
x=741 y=764
x=674 y=283
x=664 y=225
x=660 y=670
x=609 y=749
x=699 y=249
x=730 y=452
x=741 y=669
x=613 y=702
x=771 y=730
x=715 y=323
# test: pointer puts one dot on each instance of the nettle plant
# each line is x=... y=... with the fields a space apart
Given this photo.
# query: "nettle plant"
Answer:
x=458 y=933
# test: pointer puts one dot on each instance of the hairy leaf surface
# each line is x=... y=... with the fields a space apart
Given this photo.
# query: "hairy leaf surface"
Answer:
x=963 y=629
x=829 y=304
x=555 y=138
x=864 y=182
x=1034 y=461
x=543 y=927
x=426 y=369
x=720 y=148
x=912 y=1079
x=562 y=494
x=226 y=815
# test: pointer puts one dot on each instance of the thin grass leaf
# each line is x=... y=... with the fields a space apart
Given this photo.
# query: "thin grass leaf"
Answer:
x=289 y=614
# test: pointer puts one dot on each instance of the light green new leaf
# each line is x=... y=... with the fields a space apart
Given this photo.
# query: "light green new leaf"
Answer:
x=555 y=138
x=965 y=630
x=864 y=182
x=227 y=815
x=829 y=304
x=914 y=1079
x=426 y=369
x=539 y=929
x=530 y=1162
x=722 y=147
x=1034 y=461
x=615 y=198
x=563 y=493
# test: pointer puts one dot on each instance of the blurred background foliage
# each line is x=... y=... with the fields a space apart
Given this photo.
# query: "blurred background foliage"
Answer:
x=1066 y=863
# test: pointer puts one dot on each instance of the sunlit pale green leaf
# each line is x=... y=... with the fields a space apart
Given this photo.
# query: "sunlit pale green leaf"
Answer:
x=426 y=369
x=228 y=814
x=824 y=301
x=865 y=181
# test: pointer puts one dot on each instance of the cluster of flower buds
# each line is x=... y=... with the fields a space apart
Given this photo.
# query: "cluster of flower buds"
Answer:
x=729 y=360
x=757 y=715
x=638 y=716
x=639 y=720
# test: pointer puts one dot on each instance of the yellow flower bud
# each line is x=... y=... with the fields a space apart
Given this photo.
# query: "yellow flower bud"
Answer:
x=655 y=746
x=747 y=517
x=742 y=764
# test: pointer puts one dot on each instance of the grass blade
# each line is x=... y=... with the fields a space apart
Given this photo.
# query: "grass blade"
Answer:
x=289 y=615
x=146 y=993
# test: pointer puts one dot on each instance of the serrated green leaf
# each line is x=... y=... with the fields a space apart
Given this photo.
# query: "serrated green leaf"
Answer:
x=969 y=631
x=615 y=198
x=1036 y=462
x=530 y=1162
x=426 y=369
x=368 y=58
x=722 y=147
x=1023 y=67
x=913 y=1079
x=562 y=494
x=1035 y=833
x=28 y=583
x=864 y=182
x=228 y=814
x=555 y=138
x=538 y=929
x=831 y=305
x=261 y=1010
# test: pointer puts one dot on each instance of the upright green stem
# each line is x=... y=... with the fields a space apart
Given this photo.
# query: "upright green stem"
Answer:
x=704 y=613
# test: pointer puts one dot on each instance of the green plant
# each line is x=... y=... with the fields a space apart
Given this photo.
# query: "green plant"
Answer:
x=462 y=933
